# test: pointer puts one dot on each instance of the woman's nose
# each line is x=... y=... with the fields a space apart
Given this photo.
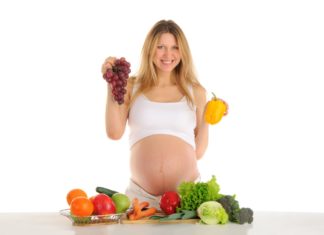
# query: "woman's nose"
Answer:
x=167 y=51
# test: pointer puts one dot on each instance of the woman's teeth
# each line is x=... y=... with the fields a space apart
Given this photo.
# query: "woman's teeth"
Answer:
x=166 y=61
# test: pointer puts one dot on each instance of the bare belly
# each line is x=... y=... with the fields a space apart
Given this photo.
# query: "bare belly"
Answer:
x=159 y=163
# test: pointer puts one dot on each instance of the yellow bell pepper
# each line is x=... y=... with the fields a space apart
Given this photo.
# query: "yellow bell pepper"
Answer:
x=215 y=110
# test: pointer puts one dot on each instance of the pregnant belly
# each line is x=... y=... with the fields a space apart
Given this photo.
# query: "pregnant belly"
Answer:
x=159 y=163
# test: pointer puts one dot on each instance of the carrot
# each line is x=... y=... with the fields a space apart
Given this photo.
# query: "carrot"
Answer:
x=148 y=212
x=132 y=216
x=141 y=210
x=136 y=206
x=143 y=205
x=144 y=213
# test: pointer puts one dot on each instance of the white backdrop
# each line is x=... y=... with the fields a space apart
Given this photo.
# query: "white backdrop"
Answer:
x=265 y=58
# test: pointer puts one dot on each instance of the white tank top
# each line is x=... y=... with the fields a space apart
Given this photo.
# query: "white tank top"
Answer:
x=170 y=118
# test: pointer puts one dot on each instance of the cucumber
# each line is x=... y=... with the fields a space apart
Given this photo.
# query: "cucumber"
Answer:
x=106 y=191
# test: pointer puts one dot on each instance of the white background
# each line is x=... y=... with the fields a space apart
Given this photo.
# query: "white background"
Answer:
x=265 y=58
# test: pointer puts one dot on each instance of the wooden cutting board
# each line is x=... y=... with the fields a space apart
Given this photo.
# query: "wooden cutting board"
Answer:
x=152 y=221
x=125 y=220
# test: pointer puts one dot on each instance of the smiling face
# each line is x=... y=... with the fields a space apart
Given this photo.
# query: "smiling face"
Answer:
x=167 y=54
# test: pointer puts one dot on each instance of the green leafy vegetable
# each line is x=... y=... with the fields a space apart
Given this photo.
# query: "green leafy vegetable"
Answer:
x=194 y=194
x=173 y=216
x=189 y=214
x=212 y=212
x=156 y=217
x=185 y=214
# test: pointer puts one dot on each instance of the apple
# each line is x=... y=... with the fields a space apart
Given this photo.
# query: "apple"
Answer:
x=122 y=202
x=103 y=205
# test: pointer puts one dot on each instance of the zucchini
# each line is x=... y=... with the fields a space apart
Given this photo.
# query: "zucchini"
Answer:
x=106 y=191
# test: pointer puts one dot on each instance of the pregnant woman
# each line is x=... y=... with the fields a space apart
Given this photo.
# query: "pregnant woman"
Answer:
x=164 y=107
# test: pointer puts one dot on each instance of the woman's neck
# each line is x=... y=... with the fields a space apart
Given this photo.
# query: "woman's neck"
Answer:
x=166 y=80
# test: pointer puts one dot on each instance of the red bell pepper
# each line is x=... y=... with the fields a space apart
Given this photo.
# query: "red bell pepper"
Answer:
x=169 y=202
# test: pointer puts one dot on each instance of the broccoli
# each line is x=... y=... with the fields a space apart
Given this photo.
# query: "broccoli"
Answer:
x=245 y=216
x=235 y=213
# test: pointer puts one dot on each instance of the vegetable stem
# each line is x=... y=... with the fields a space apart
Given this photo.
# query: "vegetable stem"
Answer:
x=214 y=96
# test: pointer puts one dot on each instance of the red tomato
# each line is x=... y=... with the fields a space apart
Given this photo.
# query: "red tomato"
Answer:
x=103 y=205
x=169 y=202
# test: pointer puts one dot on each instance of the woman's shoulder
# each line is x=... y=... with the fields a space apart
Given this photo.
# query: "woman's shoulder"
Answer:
x=199 y=93
x=198 y=90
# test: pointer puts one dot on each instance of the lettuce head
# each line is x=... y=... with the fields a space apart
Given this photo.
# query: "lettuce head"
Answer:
x=212 y=212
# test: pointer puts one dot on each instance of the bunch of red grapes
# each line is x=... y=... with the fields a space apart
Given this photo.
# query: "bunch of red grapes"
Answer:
x=117 y=76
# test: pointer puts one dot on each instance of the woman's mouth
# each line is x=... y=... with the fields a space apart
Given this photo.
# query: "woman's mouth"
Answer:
x=167 y=62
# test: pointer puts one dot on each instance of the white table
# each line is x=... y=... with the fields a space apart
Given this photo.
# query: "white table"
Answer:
x=274 y=223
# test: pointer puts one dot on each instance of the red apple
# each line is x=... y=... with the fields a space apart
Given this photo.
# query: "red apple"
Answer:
x=103 y=205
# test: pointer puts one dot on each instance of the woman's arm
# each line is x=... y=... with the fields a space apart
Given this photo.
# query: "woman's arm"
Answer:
x=201 y=131
x=116 y=115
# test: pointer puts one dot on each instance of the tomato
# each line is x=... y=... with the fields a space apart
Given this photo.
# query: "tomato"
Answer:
x=103 y=205
x=169 y=202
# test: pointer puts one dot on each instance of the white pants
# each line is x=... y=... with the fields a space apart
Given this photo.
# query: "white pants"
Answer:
x=135 y=191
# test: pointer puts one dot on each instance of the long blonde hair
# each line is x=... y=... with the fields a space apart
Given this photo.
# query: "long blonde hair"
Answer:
x=185 y=75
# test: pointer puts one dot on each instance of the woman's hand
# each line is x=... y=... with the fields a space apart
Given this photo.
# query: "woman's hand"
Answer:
x=108 y=64
x=226 y=104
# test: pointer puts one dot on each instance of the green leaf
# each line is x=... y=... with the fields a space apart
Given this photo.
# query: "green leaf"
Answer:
x=156 y=217
x=189 y=214
x=172 y=217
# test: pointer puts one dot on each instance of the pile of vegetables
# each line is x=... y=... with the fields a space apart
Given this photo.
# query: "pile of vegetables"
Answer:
x=203 y=200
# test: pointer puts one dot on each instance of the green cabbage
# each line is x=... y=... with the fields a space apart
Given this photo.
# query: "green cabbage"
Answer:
x=212 y=212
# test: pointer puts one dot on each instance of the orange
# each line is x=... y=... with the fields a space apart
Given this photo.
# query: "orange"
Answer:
x=81 y=206
x=75 y=193
x=91 y=198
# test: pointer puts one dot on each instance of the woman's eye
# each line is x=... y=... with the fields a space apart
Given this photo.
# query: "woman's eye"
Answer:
x=164 y=47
